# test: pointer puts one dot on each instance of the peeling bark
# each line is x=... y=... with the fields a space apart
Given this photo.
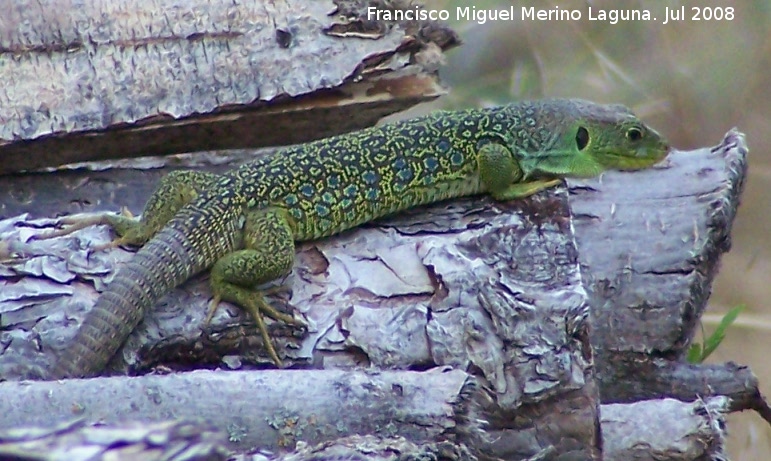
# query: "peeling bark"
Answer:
x=398 y=294
x=649 y=254
x=106 y=79
x=270 y=409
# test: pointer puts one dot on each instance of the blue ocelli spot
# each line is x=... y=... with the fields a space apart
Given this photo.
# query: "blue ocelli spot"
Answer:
x=322 y=210
x=370 y=177
x=430 y=163
x=405 y=175
x=351 y=190
x=290 y=199
x=372 y=195
x=307 y=190
x=456 y=158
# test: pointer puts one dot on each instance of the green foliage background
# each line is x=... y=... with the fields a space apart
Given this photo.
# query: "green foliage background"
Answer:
x=692 y=81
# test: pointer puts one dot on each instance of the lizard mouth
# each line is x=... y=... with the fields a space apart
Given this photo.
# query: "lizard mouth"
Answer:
x=636 y=159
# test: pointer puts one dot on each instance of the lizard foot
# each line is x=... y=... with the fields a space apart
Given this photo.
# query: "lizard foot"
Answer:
x=130 y=230
x=75 y=223
x=72 y=224
x=254 y=303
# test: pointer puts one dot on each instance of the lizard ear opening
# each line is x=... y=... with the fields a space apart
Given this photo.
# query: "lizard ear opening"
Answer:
x=582 y=138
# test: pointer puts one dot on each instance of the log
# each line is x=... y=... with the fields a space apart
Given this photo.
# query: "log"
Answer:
x=649 y=251
x=395 y=294
x=269 y=409
x=126 y=79
x=334 y=413
x=665 y=429
x=76 y=440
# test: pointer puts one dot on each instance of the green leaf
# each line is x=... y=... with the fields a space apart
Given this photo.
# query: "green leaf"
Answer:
x=698 y=353
x=694 y=353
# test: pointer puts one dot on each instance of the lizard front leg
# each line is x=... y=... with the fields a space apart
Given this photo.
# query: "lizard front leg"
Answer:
x=268 y=255
x=174 y=191
x=502 y=176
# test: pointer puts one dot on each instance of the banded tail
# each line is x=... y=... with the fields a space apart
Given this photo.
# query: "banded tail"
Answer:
x=176 y=253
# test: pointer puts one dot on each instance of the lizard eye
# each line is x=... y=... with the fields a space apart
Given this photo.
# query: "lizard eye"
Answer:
x=634 y=134
x=582 y=138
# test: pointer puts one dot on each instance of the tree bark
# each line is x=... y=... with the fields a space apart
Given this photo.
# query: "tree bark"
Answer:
x=665 y=429
x=108 y=79
x=270 y=409
x=439 y=412
x=489 y=287
x=649 y=254
x=398 y=294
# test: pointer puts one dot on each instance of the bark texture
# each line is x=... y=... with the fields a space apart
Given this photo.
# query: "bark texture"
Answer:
x=99 y=79
x=490 y=288
x=649 y=253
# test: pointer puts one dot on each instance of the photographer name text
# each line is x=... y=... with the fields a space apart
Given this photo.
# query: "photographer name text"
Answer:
x=611 y=16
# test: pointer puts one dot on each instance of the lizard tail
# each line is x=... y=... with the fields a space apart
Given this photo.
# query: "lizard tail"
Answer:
x=171 y=257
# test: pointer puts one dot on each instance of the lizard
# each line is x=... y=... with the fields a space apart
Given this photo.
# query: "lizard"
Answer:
x=243 y=225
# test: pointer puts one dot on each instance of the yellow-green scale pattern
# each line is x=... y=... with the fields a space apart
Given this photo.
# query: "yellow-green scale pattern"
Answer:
x=243 y=224
x=341 y=182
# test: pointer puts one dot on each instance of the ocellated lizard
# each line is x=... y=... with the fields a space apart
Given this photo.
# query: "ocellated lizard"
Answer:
x=244 y=224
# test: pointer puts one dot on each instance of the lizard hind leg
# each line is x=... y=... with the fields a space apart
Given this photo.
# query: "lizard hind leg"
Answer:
x=174 y=191
x=269 y=254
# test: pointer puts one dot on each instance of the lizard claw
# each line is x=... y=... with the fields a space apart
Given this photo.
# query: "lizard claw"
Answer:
x=212 y=309
x=71 y=224
x=114 y=243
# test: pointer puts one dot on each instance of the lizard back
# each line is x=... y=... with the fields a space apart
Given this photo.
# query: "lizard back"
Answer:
x=337 y=183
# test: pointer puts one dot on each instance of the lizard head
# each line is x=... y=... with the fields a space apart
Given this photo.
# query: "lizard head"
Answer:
x=591 y=138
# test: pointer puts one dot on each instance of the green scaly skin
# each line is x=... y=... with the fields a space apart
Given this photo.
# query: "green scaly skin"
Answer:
x=244 y=224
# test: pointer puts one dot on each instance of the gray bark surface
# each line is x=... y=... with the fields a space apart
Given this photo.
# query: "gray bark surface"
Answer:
x=73 y=439
x=399 y=294
x=649 y=252
x=414 y=413
x=665 y=429
x=492 y=288
x=269 y=409
x=110 y=79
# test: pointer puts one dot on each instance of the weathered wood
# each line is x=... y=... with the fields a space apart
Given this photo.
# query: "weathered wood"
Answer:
x=124 y=79
x=437 y=411
x=270 y=409
x=491 y=287
x=665 y=429
x=649 y=251
x=76 y=440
